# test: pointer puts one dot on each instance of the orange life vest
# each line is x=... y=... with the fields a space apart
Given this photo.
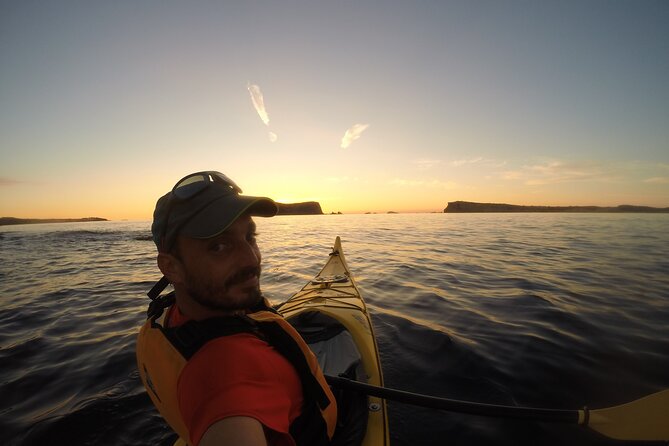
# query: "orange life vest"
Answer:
x=163 y=352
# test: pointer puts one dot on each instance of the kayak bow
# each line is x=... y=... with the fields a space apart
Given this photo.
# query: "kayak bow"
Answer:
x=332 y=317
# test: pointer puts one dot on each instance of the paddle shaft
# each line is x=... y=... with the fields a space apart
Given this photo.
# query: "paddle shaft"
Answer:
x=433 y=402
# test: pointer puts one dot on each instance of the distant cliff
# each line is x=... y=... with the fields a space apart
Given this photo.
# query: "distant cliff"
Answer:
x=468 y=206
x=306 y=208
x=4 y=221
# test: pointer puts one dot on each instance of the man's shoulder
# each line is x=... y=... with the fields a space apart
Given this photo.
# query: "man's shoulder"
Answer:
x=233 y=344
x=234 y=360
x=236 y=352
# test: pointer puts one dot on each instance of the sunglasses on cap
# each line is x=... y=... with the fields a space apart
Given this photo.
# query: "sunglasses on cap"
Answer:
x=191 y=186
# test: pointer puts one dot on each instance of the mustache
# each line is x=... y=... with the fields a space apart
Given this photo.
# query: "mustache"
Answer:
x=243 y=274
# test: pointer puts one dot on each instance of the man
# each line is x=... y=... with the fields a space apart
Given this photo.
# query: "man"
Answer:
x=219 y=364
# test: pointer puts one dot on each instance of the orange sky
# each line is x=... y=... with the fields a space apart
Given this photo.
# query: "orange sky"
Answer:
x=104 y=106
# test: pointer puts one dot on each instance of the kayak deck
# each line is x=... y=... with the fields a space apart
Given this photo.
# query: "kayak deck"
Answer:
x=332 y=317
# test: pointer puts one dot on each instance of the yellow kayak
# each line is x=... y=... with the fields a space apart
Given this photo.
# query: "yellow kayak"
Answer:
x=332 y=317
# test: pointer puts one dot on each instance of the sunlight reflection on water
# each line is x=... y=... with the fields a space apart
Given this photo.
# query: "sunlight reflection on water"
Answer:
x=488 y=307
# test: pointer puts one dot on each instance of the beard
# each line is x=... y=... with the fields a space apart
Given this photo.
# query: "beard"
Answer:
x=216 y=296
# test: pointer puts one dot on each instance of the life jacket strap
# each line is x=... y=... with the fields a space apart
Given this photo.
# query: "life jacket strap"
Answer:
x=189 y=337
x=158 y=288
x=158 y=305
x=286 y=345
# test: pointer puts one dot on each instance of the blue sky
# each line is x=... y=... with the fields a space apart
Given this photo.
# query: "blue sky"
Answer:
x=104 y=105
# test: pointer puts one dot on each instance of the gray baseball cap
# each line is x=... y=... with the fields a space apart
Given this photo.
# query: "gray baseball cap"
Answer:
x=203 y=205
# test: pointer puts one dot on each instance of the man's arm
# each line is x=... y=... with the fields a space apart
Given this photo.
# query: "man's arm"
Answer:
x=237 y=431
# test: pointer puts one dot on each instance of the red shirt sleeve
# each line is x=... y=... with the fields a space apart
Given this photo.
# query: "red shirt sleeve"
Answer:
x=240 y=375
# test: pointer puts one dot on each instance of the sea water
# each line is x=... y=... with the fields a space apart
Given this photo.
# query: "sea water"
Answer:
x=542 y=310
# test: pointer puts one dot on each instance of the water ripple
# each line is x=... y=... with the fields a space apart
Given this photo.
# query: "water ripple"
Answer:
x=555 y=310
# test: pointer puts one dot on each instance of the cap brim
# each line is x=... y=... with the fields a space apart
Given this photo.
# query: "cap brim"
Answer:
x=222 y=212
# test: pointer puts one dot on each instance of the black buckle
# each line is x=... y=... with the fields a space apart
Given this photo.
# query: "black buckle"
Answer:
x=158 y=288
x=158 y=305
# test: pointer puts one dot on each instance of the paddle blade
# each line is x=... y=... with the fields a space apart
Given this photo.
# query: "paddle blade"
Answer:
x=644 y=419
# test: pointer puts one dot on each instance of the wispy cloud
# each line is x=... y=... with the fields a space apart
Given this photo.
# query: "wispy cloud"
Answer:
x=458 y=163
x=425 y=164
x=8 y=182
x=258 y=102
x=477 y=160
x=657 y=180
x=259 y=105
x=436 y=184
x=352 y=134
x=559 y=172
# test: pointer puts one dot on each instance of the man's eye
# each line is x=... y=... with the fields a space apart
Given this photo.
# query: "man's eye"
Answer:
x=219 y=247
x=252 y=237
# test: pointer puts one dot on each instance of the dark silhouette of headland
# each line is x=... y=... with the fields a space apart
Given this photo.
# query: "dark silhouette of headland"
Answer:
x=468 y=206
x=305 y=208
x=5 y=221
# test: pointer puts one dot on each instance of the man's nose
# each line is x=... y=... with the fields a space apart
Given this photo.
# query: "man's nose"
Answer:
x=249 y=254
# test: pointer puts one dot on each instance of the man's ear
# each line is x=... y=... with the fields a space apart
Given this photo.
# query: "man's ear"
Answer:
x=171 y=267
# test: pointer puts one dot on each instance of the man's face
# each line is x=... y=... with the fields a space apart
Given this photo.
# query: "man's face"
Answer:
x=223 y=273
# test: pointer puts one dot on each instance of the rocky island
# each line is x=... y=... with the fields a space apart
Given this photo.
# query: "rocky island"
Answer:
x=305 y=208
x=5 y=221
x=468 y=206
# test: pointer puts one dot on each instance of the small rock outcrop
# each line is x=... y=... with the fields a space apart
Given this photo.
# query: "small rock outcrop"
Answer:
x=468 y=206
x=26 y=221
x=305 y=208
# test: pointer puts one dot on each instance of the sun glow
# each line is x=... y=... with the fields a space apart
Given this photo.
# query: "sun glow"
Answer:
x=319 y=119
